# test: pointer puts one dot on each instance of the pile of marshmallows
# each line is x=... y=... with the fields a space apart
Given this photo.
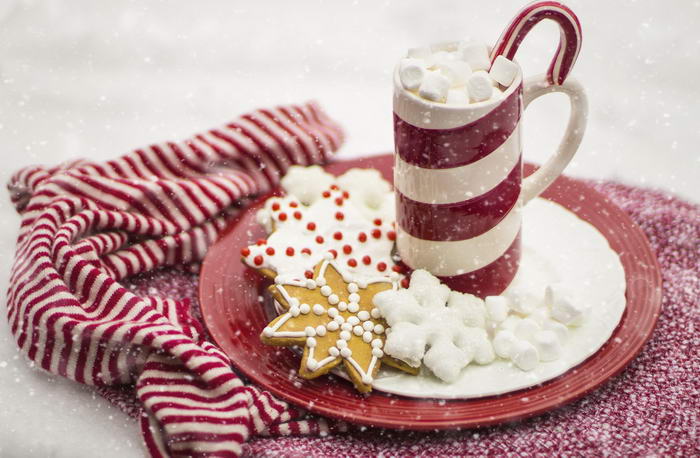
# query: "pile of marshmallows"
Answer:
x=533 y=333
x=456 y=73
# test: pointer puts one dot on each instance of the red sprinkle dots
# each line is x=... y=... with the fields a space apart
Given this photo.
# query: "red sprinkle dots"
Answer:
x=258 y=260
x=346 y=194
x=352 y=262
x=339 y=216
x=319 y=239
x=347 y=249
x=270 y=251
x=381 y=266
x=397 y=269
x=391 y=235
x=334 y=187
x=326 y=194
x=334 y=253
x=309 y=274
x=311 y=226
x=306 y=251
x=290 y=251
x=297 y=215
x=261 y=242
x=282 y=216
x=404 y=282
x=366 y=260
x=376 y=233
x=362 y=237
x=338 y=236
x=377 y=222
x=339 y=201
x=245 y=252
x=275 y=206
x=293 y=204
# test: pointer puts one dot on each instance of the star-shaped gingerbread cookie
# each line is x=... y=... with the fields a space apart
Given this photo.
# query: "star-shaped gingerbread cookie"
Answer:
x=331 y=315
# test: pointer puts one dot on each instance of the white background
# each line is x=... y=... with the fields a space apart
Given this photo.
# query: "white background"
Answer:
x=97 y=78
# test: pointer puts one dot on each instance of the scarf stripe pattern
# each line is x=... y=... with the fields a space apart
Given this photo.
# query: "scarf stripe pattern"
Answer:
x=85 y=226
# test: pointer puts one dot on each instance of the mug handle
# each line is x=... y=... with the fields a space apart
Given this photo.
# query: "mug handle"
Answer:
x=533 y=88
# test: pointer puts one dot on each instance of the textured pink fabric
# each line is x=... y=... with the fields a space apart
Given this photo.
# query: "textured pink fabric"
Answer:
x=652 y=408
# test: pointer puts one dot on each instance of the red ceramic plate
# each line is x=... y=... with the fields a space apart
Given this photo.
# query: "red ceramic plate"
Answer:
x=235 y=313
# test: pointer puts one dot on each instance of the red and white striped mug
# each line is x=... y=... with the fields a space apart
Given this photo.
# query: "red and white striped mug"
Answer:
x=458 y=170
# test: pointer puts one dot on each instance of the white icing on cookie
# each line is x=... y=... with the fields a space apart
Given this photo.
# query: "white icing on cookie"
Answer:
x=333 y=223
x=350 y=329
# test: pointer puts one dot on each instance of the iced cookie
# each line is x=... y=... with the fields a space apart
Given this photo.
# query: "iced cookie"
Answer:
x=300 y=236
x=330 y=314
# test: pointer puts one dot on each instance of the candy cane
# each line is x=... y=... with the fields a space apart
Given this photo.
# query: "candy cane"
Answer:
x=569 y=41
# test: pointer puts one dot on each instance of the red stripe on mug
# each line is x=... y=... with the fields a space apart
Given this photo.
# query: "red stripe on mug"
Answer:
x=448 y=148
x=460 y=220
x=490 y=280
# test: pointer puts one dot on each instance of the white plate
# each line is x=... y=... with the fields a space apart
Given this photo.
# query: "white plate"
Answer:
x=557 y=247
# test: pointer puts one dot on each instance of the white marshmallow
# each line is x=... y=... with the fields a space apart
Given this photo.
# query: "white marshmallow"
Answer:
x=524 y=355
x=496 y=306
x=484 y=353
x=480 y=86
x=503 y=343
x=477 y=55
x=503 y=71
x=458 y=96
x=559 y=329
x=521 y=302
x=434 y=87
x=548 y=345
x=511 y=323
x=526 y=329
x=564 y=307
x=412 y=72
x=457 y=71
x=449 y=46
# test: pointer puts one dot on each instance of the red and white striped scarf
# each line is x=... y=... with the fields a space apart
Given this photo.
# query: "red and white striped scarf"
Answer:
x=86 y=226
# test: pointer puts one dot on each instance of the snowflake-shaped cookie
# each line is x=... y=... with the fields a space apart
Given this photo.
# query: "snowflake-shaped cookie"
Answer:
x=332 y=317
x=427 y=315
x=301 y=235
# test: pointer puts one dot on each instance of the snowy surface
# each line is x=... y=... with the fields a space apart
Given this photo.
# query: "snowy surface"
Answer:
x=95 y=79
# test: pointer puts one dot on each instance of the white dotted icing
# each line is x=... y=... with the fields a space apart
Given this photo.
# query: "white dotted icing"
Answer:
x=356 y=325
